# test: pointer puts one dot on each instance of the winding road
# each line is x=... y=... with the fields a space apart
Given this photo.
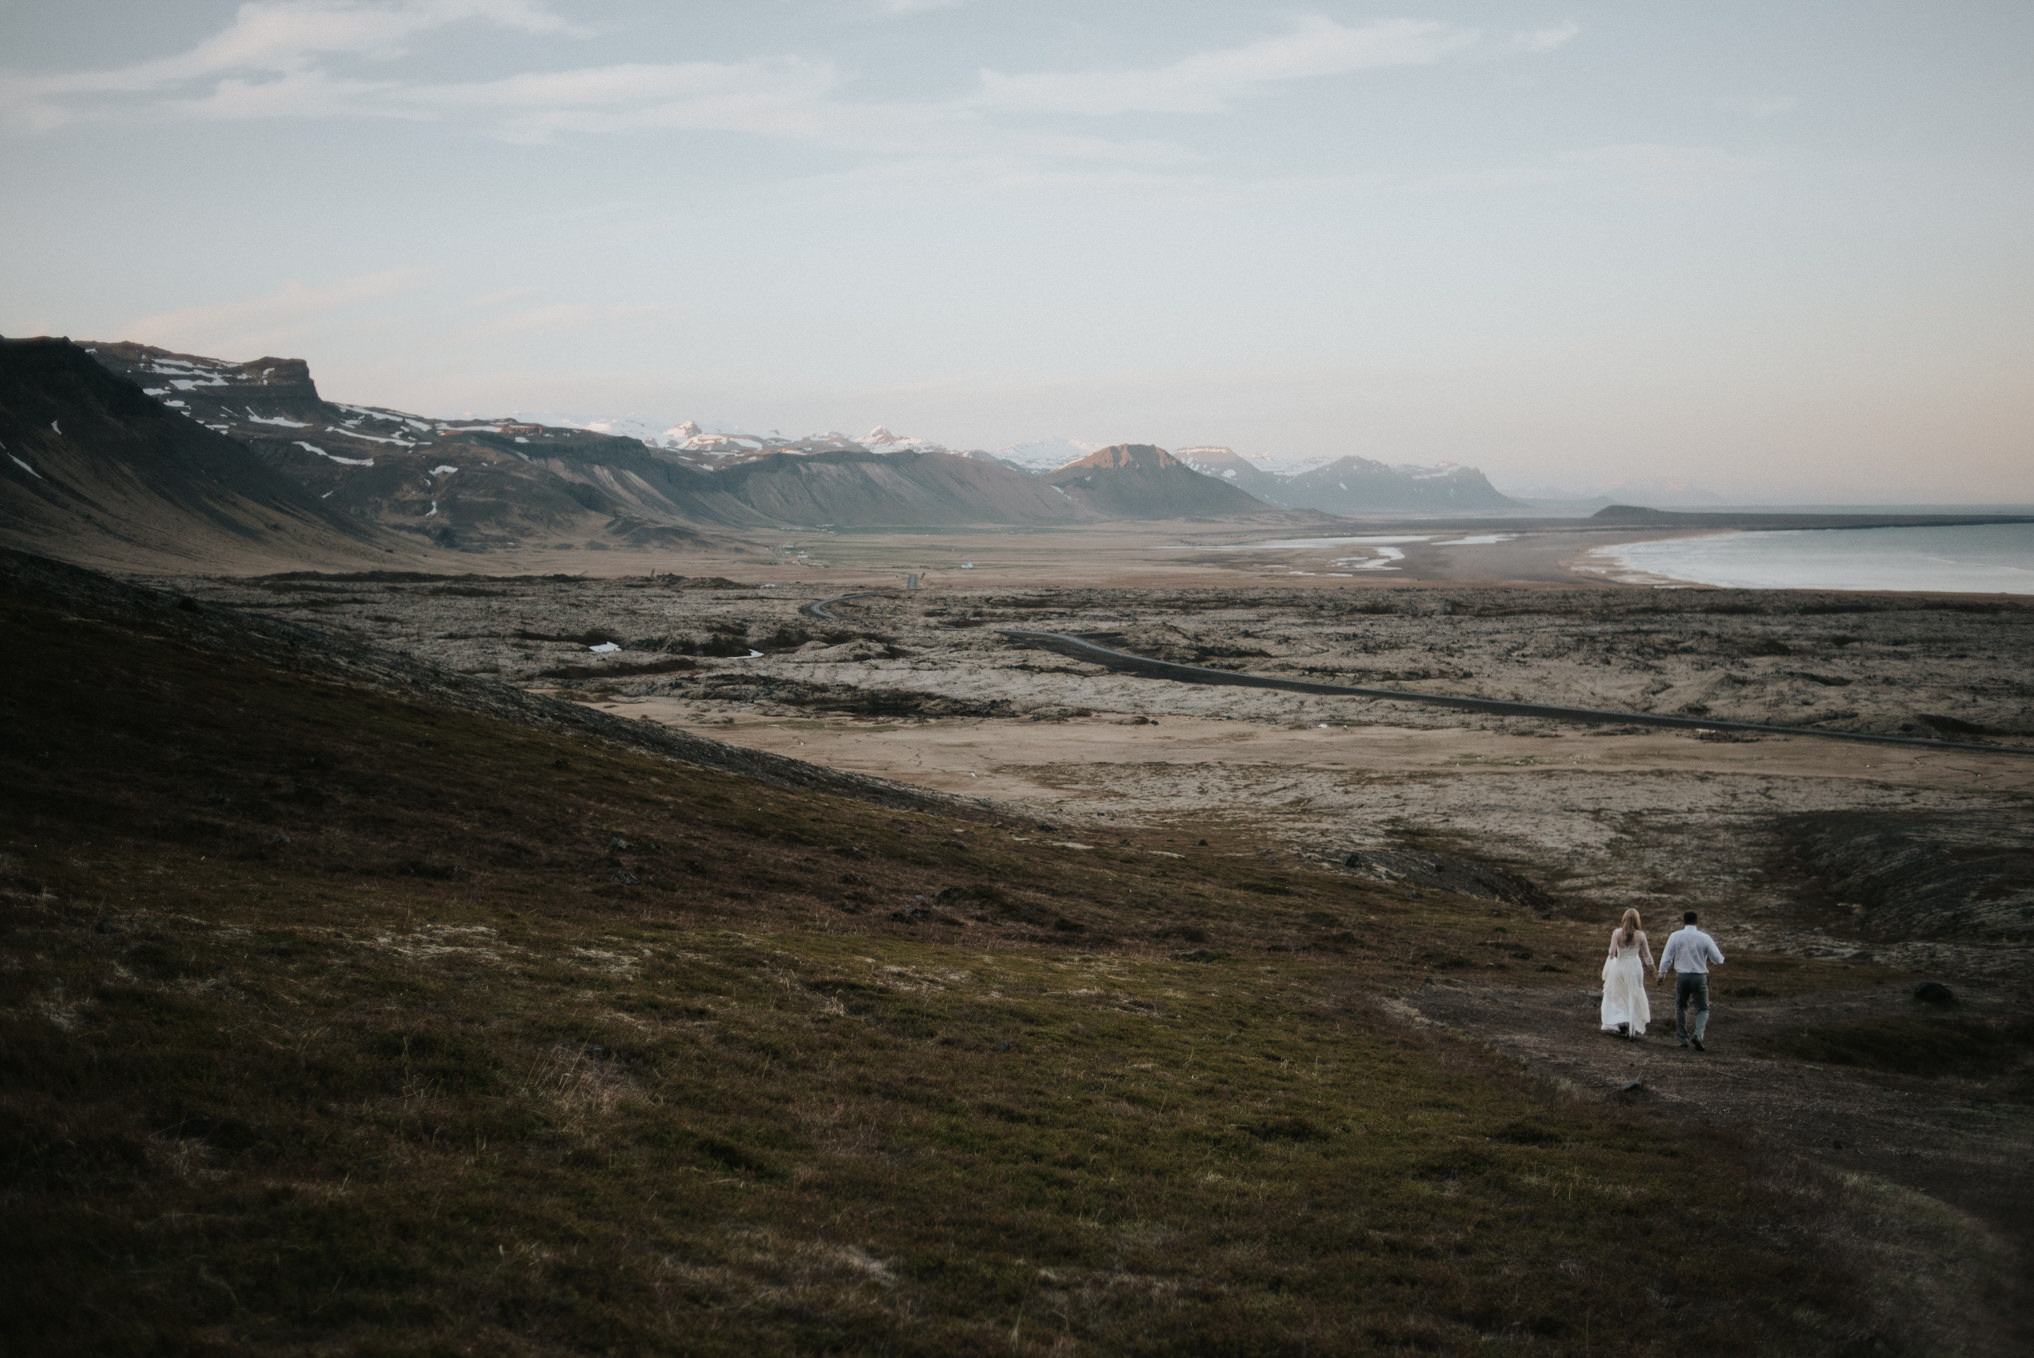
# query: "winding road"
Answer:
x=817 y=608
x=1125 y=662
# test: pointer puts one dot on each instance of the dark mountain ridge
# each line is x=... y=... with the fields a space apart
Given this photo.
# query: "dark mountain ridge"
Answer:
x=96 y=468
x=479 y=483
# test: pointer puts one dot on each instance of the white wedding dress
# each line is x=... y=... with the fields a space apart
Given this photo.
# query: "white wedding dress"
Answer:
x=1624 y=985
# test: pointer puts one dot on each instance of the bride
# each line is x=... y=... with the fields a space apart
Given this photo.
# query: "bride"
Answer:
x=1626 y=1010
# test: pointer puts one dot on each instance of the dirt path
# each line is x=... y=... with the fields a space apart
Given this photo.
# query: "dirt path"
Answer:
x=1949 y=1139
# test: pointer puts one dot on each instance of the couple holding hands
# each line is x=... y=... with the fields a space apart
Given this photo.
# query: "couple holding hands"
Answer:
x=1689 y=951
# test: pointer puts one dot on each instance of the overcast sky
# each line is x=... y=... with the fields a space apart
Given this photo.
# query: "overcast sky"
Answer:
x=1783 y=250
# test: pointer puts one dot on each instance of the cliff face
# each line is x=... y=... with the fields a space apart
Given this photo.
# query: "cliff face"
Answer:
x=97 y=470
x=1139 y=481
x=451 y=483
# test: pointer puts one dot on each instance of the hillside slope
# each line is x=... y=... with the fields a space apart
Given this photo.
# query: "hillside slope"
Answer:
x=1139 y=481
x=335 y=1016
x=906 y=489
x=1226 y=464
x=456 y=483
x=96 y=471
x=481 y=483
x=1357 y=485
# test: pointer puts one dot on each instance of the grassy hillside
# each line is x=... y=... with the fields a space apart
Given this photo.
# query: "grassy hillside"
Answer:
x=335 y=1019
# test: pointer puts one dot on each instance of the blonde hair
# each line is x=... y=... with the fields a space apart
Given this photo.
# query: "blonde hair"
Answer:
x=1630 y=928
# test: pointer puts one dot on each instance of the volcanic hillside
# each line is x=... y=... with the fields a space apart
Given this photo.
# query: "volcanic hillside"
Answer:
x=96 y=471
x=1139 y=481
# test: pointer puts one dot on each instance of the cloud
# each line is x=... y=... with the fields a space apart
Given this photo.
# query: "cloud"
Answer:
x=1546 y=39
x=557 y=317
x=275 y=38
x=781 y=98
x=300 y=94
x=1758 y=108
x=1208 y=82
x=254 y=323
x=304 y=58
x=788 y=98
x=1651 y=168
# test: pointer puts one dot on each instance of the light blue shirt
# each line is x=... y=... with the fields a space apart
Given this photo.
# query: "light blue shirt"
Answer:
x=1689 y=950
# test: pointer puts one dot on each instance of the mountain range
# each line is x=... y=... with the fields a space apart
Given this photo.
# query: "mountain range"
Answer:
x=126 y=451
x=130 y=454
x=1139 y=481
x=1354 y=485
x=94 y=466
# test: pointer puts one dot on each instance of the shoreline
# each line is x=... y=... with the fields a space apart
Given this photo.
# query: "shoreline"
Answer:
x=1931 y=568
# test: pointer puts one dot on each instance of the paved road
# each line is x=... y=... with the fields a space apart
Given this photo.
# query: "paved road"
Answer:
x=817 y=608
x=1125 y=662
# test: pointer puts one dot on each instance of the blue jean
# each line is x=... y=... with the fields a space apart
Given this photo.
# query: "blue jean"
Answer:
x=1691 y=985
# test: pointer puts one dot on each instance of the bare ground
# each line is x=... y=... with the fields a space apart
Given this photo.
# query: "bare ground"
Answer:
x=1868 y=869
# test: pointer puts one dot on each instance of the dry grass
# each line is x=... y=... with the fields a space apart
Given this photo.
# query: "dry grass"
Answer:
x=341 y=1021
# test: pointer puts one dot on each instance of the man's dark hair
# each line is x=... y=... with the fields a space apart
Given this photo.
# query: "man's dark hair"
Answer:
x=1687 y=917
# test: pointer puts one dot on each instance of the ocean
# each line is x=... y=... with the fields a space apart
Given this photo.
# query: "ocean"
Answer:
x=1990 y=558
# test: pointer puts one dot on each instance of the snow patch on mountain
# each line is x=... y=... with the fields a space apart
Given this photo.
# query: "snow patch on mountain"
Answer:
x=1046 y=454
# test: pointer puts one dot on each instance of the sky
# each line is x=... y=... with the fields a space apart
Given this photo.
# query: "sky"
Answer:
x=1782 y=251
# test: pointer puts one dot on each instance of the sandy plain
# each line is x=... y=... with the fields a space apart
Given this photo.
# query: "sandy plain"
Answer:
x=922 y=685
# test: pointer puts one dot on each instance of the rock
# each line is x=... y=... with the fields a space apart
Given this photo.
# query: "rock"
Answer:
x=1921 y=874
x=1447 y=872
x=625 y=877
x=1935 y=993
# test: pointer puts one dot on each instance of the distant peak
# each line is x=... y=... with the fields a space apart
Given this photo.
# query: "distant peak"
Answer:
x=1147 y=457
x=1212 y=455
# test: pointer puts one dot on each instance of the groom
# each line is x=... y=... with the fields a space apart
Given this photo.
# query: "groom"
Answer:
x=1689 y=952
